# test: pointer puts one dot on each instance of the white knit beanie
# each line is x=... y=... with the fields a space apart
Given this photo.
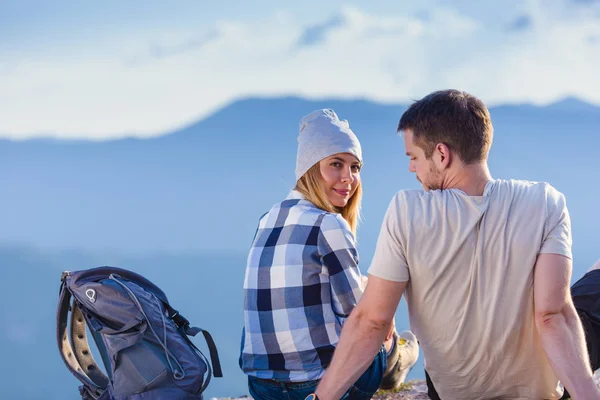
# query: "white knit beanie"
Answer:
x=322 y=134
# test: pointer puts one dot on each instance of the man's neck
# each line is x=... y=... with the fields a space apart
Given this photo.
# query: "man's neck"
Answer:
x=471 y=179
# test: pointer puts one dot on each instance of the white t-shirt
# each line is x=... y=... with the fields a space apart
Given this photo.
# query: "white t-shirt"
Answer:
x=469 y=263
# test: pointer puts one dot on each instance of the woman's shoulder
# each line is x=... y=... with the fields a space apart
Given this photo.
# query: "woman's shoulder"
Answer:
x=334 y=221
x=306 y=213
x=295 y=209
x=291 y=211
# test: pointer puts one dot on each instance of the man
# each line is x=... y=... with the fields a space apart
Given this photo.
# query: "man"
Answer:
x=484 y=266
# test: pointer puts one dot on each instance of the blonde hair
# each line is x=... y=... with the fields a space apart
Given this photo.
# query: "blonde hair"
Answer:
x=311 y=186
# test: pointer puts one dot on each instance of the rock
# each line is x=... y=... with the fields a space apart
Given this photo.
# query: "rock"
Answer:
x=411 y=390
x=416 y=389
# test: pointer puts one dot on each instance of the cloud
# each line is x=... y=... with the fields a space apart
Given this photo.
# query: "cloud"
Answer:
x=387 y=57
x=158 y=51
x=520 y=23
x=316 y=34
x=7 y=68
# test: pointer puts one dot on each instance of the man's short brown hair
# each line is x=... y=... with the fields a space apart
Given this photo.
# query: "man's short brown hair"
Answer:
x=457 y=119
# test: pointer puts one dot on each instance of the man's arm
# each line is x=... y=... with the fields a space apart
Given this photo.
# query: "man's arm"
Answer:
x=559 y=326
x=362 y=336
x=363 y=285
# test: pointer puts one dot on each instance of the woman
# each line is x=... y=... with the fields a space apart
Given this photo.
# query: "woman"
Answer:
x=302 y=277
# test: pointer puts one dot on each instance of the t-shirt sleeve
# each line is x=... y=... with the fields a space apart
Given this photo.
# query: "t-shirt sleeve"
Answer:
x=557 y=228
x=389 y=261
x=338 y=251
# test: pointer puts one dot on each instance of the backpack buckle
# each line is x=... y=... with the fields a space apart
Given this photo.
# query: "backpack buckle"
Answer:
x=63 y=282
x=179 y=320
x=89 y=393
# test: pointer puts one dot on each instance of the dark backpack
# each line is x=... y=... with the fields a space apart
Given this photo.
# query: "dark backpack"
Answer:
x=142 y=340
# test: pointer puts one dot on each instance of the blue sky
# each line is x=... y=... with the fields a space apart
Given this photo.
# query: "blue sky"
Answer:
x=113 y=68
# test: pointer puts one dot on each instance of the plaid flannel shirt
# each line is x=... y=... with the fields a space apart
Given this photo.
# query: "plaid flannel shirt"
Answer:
x=302 y=281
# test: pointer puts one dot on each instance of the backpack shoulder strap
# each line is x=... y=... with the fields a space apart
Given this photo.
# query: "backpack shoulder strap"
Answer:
x=183 y=325
x=81 y=347
x=215 y=370
x=86 y=372
x=214 y=355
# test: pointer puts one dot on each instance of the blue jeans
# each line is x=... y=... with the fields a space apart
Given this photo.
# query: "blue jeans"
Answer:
x=363 y=389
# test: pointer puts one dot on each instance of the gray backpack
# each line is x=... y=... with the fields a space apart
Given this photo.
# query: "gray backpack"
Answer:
x=142 y=340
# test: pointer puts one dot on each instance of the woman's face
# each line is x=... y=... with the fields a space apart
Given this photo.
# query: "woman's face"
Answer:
x=341 y=176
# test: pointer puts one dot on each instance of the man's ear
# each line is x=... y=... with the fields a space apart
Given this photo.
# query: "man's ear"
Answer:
x=442 y=156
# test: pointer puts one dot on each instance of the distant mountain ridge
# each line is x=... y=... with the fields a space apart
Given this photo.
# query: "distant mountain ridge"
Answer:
x=568 y=104
x=202 y=187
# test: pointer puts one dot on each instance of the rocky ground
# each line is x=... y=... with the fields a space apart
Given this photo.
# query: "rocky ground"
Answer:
x=415 y=389
x=411 y=390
